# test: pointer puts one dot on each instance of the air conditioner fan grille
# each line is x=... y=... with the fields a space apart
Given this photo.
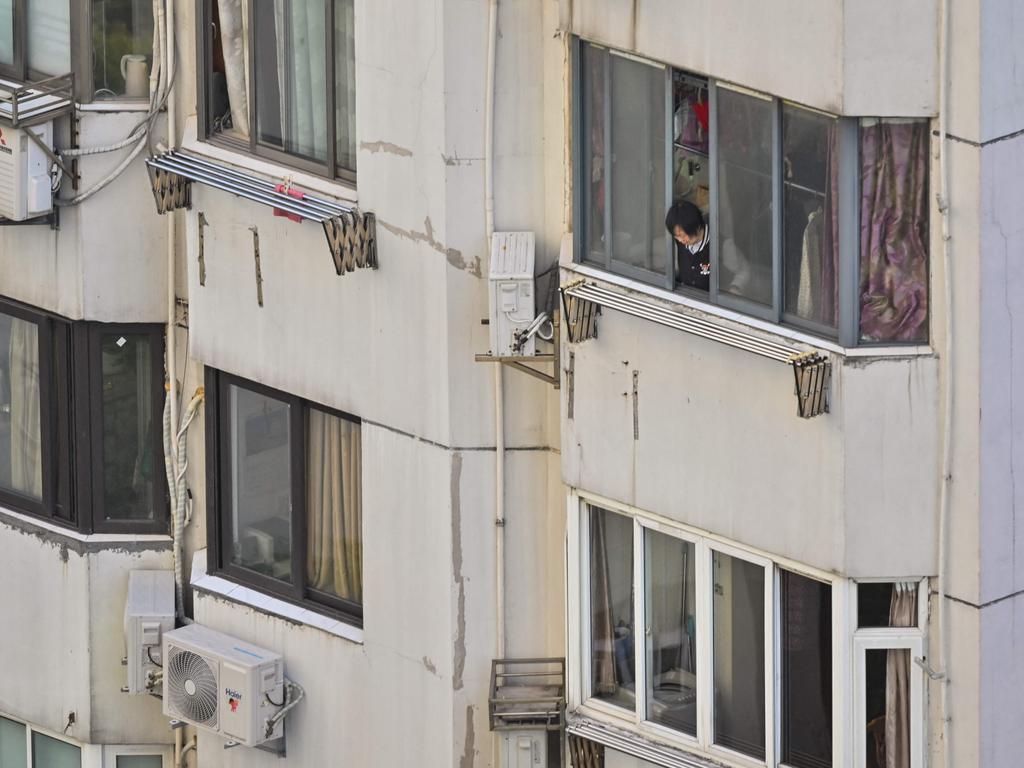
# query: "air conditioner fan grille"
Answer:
x=192 y=686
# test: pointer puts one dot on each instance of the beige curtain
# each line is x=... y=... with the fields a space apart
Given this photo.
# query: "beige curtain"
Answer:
x=26 y=456
x=605 y=679
x=234 y=32
x=334 y=560
x=902 y=613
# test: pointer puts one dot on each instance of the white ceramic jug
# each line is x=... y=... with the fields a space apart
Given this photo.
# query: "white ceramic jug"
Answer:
x=136 y=76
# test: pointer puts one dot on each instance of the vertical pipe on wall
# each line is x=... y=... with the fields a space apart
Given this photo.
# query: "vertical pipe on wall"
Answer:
x=947 y=431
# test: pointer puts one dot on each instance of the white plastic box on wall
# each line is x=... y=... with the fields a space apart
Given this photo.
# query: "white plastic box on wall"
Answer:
x=511 y=291
x=524 y=749
x=25 y=185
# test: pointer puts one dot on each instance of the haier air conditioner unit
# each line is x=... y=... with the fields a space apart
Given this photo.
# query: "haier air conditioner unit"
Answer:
x=511 y=294
x=148 y=614
x=222 y=684
x=25 y=184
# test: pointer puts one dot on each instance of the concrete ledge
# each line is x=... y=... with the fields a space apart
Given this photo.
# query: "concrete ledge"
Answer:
x=81 y=543
x=216 y=586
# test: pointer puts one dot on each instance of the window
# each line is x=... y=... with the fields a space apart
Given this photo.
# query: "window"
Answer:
x=812 y=221
x=108 y=43
x=80 y=431
x=278 y=80
x=685 y=638
x=24 y=747
x=285 y=495
x=888 y=704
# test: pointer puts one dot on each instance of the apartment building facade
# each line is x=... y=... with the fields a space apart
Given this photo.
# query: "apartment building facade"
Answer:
x=729 y=517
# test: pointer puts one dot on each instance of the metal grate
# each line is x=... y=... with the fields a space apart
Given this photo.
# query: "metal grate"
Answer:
x=580 y=316
x=584 y=753
x=23 y=104
x=527 y=694
x=351 y=234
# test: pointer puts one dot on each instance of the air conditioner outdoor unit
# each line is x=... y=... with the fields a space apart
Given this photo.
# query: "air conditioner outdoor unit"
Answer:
x=148 y=613
x=222 y=684
x=511 y=294
x=25 y=184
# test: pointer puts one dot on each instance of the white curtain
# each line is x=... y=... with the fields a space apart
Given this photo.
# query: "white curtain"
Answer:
x=49 y=36
x=6 y=31
x=234 y=32
x=302 y=76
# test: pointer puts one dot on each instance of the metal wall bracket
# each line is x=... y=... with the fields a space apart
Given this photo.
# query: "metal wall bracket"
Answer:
x=518 y=362
x=170 y=190
x=580 y=315
x=812 y=373
x=352 y=238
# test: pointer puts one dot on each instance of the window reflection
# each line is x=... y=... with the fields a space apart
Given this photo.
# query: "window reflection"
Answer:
x=612 y=627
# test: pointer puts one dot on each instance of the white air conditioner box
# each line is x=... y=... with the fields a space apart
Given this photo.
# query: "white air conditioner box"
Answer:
x=524 y=749
x=511 y=294
x=222 y=684
x=148 y=613
x=25 y=185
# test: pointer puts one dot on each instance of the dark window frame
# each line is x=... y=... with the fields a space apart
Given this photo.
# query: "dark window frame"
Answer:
x=847 y=330
x=218 y=497
x=330 y=169
x=19 y=71
x=70 y=406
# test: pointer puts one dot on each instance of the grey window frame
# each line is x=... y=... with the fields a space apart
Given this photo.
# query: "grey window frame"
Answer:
x=70 y=414
x=204 y=98
x=848 y=201
x=218 y=498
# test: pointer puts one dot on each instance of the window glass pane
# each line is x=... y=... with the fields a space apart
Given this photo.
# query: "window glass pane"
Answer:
x=745 y=196
x=611 y=607
x=690 y=129
x=810 y=168
x=139 y=761
x=21 y=467
x=593 y=76
x=52 y=753
x=49 y=36
x=291 y=76
x=894 y=231
x=122 y=47
x=345 y=82
x=261 y=483
x=7 y=32
x=638 y=181
x=334 y=543
x=738 y=616
x=887 y=604
x=229 y=68
x=671 y=615
x=806 y=619
x=13 y=748
x=887 y=698
x=129 y=464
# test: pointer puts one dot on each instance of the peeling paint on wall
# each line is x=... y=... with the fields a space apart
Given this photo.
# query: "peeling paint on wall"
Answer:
x=454 y=256
x=468 y=749
x=459 y=661
x=385 y=146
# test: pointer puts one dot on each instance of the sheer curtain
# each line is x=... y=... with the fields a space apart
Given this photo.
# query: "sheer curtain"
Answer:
x=334 y=561
x=49 y=36
x=26 y=456
x=902 y=613
x=894 y=231
x=7 y=32
x=234 y=31
x=345 y=82
x=302 y=76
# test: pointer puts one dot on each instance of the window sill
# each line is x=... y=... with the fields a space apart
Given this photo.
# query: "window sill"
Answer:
x=307 y=182
x=272 y=606
x=83 y=543
x=115 y=105
x=737 y=321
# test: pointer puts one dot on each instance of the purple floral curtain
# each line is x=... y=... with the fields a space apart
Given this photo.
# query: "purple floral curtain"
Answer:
x=894 y=232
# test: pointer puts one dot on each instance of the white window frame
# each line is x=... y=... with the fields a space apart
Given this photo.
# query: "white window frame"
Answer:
x=578 y=636
x=113 y=751
x=85 y=751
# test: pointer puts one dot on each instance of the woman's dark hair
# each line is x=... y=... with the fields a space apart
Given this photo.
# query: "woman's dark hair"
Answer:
x=686 y=216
